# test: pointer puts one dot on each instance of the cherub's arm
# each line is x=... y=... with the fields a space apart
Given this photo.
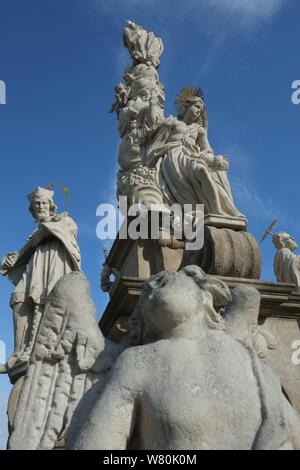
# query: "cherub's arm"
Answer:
x=112 y=418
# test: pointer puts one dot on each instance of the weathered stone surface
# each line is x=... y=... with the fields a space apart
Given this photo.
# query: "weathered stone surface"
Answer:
x=13 y=402
x=241 y=319
x=225 y=253
x=277 y=299
x=139 y=108
x=169 y=159
x=229 y=253
x=285 y=331
x=50 y=253
x=61 y=366
x=286 y=263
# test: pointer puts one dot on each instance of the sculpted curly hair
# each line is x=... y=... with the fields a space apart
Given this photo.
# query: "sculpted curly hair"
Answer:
x=219 y=291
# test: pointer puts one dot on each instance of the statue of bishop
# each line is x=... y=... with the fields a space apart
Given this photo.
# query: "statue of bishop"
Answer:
x=49 y=253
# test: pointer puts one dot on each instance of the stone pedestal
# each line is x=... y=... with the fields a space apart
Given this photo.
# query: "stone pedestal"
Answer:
x=227 y=252
x=279 y=312
x=233 y=256
x=222 y=221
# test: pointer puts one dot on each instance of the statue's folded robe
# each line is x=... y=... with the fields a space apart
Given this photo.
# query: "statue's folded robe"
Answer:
x=38 y=268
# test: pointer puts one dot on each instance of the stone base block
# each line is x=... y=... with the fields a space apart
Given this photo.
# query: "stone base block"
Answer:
x=227 y=253
x=221 y=221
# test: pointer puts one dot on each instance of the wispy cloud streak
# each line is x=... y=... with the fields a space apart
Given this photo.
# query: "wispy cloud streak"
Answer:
x=245 y=13
x=253 y=201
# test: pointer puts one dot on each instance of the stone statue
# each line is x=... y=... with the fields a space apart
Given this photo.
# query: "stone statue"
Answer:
x=139 y=108
x=144 y=47
x=143 y=84
x=60 y=372
x=69 y=367
x=136 y=334
x=206 y=388
x=286 y=263
x=141 y=81
x=241 y=319
x=121 y=93
x=171 y=154
x=132 y=173
x=187 y=170
x=50 y=253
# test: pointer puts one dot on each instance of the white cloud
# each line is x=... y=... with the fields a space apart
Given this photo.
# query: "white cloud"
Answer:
x=254 y=9
x=244 y=13
x=218 y=19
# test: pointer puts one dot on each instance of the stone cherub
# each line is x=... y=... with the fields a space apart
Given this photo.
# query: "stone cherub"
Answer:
x=286 y=262
x=195 y=381
x=50 y=253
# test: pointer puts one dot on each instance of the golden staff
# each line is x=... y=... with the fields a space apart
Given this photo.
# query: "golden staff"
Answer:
x=268 y=231
x=64 y=190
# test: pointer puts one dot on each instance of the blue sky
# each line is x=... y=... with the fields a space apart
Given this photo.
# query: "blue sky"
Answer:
x=60 y=60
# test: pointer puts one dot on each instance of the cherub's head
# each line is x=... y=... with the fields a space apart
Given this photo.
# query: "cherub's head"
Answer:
x=284 y=240
x=185 y=296
x=133 y=124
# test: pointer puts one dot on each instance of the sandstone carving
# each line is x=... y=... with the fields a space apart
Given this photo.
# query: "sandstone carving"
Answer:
x=187 y=170
x=50 y=253
x=68 y=369
x=286 y=263
x=143 y=47
x=139 y=108
x=173 y=154
x=196 y=387
x=241 y=319
x=61 y=366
